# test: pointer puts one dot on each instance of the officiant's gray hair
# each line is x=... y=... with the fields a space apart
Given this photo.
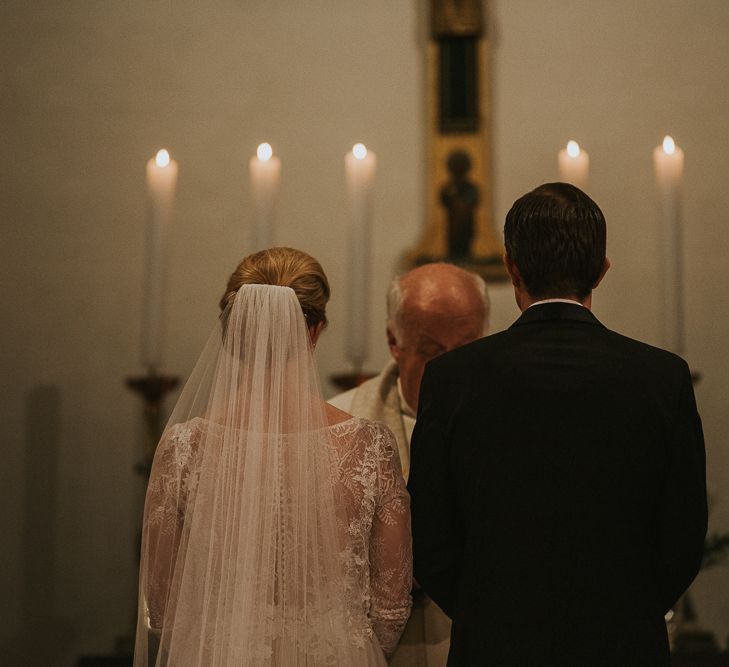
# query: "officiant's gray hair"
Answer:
x=397 y=295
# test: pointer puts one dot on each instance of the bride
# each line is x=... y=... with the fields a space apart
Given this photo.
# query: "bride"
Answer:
x=276 y=528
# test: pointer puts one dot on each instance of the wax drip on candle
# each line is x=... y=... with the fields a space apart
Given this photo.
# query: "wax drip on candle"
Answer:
x=359 y=151
x=264 y=152
x=573 y=148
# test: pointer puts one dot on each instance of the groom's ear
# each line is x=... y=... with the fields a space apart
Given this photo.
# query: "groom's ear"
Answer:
x=513 y=271
x=605 y=267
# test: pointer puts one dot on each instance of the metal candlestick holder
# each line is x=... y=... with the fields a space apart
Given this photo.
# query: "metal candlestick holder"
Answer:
x=153 y=388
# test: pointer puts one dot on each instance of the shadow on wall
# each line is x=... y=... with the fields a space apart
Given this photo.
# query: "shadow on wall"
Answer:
x=43 y=637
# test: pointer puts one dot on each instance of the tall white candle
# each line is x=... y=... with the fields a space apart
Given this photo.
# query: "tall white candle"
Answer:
x=668 y=162
x=360 y=166
x=265 y=174
x=574 y=165
x=161 y=182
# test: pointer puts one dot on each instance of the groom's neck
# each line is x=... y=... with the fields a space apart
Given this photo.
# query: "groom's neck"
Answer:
x=524 y=299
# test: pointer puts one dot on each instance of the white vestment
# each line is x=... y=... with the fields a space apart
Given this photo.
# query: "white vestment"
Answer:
x=426 y=639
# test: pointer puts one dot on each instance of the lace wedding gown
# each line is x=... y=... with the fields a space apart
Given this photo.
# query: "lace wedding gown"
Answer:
x=373 y=520
x=372 y=492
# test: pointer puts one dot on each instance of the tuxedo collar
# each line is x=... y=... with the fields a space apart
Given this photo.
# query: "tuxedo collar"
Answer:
x=557 y=310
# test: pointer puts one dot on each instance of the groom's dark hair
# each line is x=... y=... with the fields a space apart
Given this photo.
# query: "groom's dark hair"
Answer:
x=555 y=235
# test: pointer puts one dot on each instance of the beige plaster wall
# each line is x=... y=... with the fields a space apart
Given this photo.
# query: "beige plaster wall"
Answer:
x=90 y=90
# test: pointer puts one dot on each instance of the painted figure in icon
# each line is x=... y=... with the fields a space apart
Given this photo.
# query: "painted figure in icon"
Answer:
x=460 y=197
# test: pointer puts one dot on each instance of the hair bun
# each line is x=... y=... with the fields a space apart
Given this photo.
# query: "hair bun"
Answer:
x=286 y=267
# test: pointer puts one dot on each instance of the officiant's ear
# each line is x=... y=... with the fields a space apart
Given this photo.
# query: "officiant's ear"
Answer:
x=392 y=344
x=513 y=271
x=605 y=267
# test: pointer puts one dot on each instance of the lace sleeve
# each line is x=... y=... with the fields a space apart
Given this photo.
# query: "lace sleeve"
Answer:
x=391 y=559
x=167 y=492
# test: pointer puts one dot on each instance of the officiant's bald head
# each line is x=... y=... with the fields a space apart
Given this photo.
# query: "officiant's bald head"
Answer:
x=431 y=310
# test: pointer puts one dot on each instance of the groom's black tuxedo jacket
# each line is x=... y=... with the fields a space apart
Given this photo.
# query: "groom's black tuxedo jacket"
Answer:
x=558 y=493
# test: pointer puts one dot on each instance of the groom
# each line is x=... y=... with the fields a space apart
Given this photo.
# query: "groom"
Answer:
x=557 y=472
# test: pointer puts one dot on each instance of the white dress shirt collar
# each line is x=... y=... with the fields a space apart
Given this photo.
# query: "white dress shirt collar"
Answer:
x=538 y=303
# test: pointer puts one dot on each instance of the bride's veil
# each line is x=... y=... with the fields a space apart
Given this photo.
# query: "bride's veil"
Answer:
x=241 y=562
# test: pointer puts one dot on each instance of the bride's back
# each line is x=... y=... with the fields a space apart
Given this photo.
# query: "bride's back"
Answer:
x=271 y=536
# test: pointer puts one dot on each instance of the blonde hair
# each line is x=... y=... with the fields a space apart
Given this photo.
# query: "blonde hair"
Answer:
x=285 y=267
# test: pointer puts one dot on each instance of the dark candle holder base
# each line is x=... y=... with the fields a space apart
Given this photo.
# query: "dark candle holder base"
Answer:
x=152 y=388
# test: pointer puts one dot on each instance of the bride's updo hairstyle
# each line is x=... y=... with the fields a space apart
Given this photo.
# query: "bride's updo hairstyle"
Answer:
x=285 y=267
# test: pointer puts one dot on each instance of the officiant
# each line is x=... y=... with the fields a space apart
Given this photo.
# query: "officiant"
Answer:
x=430 y=310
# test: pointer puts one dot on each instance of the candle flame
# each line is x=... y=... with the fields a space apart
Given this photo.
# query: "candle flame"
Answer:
x=573 y=148
x=264 y=152
x=669 y=145
x=163 y=158
x=359 y=151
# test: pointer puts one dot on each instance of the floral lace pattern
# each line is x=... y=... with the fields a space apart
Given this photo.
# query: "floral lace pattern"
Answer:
x=373 y=516
x=371 y=490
